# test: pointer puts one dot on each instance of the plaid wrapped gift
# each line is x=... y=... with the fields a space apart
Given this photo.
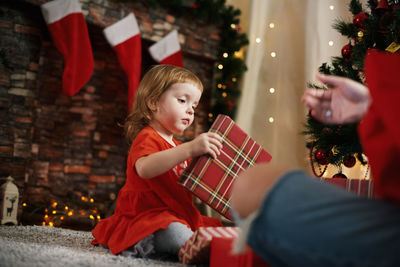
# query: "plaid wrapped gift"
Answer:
x=211 y=179
x=361 y=187
x=197 y=249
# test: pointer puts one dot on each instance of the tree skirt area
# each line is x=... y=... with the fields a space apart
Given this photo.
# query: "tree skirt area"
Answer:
x=49 y=246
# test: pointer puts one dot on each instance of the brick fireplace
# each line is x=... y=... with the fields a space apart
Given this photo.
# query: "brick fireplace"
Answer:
x=58 y=147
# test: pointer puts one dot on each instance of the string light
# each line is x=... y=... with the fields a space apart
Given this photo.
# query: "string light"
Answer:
x=271 y=119
x=258 y=40
x=331 y=7
x=24 y=204
x=220 y=66
x=272 y=90
x=55 y=215
x=225 y=55
x=210 y=115
x=219 y=86
x=330 y=43
x=273 y=54
x=272 y=25
x=224 y=94
x=234 y=79
x=233 y=26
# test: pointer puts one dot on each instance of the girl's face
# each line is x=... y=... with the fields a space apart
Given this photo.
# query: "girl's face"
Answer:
x=174 y=111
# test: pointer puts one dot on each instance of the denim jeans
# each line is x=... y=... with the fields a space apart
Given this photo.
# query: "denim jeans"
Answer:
x=305 y=222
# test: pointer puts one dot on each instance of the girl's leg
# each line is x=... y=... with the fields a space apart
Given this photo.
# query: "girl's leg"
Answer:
x=171 y=239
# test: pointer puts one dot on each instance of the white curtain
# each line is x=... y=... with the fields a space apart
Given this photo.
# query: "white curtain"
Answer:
x=302 y=39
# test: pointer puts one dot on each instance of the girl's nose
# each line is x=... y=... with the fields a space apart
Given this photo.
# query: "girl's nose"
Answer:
x=190 y=110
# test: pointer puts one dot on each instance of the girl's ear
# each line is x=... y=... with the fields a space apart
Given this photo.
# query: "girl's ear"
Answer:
x=152 y=105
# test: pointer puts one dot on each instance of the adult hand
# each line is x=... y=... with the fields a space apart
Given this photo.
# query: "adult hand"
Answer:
x=346 y=102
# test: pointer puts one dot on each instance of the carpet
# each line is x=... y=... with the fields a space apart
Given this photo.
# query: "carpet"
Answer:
x=49 y=246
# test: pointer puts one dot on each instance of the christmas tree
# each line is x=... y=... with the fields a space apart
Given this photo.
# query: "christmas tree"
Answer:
x=378 y=28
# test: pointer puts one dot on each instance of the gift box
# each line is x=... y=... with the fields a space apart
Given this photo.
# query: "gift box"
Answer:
x=197 y=249
x=221 y=255
x=211 y=179
x=361 y=187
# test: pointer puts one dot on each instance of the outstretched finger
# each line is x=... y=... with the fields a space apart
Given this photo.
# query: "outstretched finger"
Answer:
x=312 y=102
x=319 y=93
x=334 y=81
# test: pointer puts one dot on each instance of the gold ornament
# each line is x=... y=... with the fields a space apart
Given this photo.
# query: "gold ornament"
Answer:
x=360 y=35
x=393 y=47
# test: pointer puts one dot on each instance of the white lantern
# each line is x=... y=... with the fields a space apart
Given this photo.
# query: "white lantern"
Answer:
x=9 y=206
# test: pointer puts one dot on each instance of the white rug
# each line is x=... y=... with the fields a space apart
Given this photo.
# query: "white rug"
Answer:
x=47 y=246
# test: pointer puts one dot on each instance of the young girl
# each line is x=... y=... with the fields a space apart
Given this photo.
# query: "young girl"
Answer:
x=152 y=208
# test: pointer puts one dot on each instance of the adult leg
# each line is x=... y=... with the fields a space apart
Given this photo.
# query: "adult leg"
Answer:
x=302 y=221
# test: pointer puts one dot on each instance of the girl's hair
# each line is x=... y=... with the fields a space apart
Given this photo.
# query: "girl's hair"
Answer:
x=153 y=84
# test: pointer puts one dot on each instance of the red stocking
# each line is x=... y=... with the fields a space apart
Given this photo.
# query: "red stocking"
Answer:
x=68 y=29
x=124 y=37
x=167 y=50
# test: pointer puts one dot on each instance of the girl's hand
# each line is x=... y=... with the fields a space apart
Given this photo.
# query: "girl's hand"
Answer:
x=346 y=102
x=206 y=143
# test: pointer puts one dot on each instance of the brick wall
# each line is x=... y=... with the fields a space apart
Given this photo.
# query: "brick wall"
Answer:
x=56 y=146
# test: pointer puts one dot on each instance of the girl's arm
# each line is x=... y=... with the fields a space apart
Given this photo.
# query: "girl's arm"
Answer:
x=160 y=162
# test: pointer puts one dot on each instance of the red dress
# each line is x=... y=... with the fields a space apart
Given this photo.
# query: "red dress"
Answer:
x=147 y=205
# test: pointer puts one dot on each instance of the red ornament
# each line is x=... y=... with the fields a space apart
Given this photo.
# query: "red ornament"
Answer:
x=230 y=105
x=347 y=52
x=339 y=175
x=359 y=20
x=193 y=5
x=321 y=157
x=349 y=161
x=383 y=5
